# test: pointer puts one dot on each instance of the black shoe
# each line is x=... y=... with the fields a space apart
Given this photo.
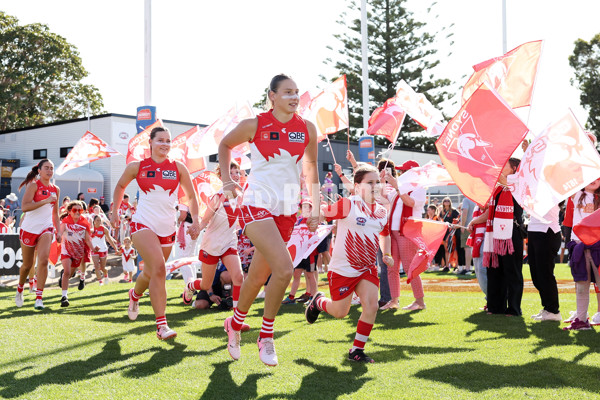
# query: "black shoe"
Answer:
x=463 y=272
x=382 y=303
x=402 y=274
x=312 y=311
x=81 y=284
x=64 y=302
x=446 y=269
x=359 y=355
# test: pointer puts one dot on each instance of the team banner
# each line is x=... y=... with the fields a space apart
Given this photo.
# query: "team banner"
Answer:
x=175 y=265
x=478 y=141
x=206 y=141
x=206 y=184
x=303 y=242
x=139 y=145
x=328 y=110
x=430 y=174
x=560 y=161
x=387 y=120
x=427 y=235
x=511 y=75
x=587 y=229
x=88 y=149
x=181 y=152
x=419 y=109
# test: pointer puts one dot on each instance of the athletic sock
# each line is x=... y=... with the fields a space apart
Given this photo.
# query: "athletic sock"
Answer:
x=134 y=296
x=322 y=303
x=267 y=328
x=64 y=293
x=291 y=296
x=308 y=294
x=194 y=285
x=20 y=288
x=238 y=319
x=30 y=282
x=38 y=294
x=235 y=294
x=363 y=330
x=161 y=321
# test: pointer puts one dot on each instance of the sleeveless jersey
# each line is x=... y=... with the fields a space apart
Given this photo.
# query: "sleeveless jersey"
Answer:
x=40 y=219
x=99 y=240
x=579 y=213
x=158 y=196
x=73 y=244
x=276 y=151
x=127 y=259
x=357 y=240
x=220 y=234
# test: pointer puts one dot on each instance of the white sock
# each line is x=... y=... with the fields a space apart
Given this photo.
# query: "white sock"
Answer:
x=65 y=293
x=582 y=297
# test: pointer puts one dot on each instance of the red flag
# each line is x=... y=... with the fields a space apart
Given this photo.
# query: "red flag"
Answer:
x=428 y=236
x=329 y=109
x=206 y=184
x=478 y=141
x=139 y=145
x=303 y=242
x=88 y=149
x=54 y=254
x=588 y=229
x=512 y=74
x=387 y=120
x=180 y=151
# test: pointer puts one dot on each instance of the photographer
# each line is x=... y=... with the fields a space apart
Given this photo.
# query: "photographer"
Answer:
x=220 y=292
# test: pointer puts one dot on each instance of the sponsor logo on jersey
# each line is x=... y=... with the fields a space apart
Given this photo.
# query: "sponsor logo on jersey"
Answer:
x=296 y=137
x=361 y=221
x=169 y=174
x=44 y=192
x=262 y=214
x=266 y=126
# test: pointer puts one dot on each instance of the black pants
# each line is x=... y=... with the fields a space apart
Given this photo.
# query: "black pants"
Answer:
x=543 y=247
x=505 y=283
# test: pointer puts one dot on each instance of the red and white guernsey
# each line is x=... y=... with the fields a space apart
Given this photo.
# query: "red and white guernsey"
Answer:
x=357 y=240
x=580 y=212
x=158 y=196
x=127 y=259
x=220 y=234
x=40 y=219
x=73 y=244
x=98 y=239
x=276 y=151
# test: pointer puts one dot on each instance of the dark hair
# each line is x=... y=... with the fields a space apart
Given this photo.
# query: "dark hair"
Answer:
x=79 y=195
x=514 y=163
x=35 y=171
x=94 y=219
x=386 y=163
x=154 y=131
x=277 y=79
x=596 y=200
x=362 y=170
x=70 y=207
x=66 y=198
x=434 y=208
x=125 y=196
x=93 y=201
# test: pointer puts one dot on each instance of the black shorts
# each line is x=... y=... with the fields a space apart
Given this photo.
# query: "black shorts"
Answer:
x=245 y=267
x=203 y=295
x=308 y=264
x=324 y=245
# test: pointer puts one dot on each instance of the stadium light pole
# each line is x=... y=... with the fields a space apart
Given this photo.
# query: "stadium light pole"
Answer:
x=147 y=52
x=365 y=64
x=504 y=49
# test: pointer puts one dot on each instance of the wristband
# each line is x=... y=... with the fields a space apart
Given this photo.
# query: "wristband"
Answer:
x=342 y=175
x=387 y=255
x=210 y=294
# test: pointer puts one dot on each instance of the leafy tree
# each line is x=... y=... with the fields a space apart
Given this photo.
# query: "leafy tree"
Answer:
x=585 y=60
x=399 y=48
x=40 y=77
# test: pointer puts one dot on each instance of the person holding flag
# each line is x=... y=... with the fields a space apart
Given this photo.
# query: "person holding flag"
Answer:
x=153 y=224
x=278 y=139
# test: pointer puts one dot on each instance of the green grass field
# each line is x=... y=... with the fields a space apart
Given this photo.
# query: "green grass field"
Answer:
x=449 y=351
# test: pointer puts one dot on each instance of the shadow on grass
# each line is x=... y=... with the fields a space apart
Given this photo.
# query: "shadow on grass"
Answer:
x=222 y=384
x=550 y=335
x=507 y=327
x=548 y=373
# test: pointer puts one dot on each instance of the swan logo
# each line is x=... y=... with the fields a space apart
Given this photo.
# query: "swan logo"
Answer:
x=468 y=143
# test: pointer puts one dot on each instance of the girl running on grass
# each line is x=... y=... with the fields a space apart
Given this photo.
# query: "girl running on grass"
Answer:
x=353 y=263
x=128 y=255
x=101 y=235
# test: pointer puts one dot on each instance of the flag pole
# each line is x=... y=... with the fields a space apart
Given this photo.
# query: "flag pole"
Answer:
x=365 y=63
x=504 y=49
x=147 y=52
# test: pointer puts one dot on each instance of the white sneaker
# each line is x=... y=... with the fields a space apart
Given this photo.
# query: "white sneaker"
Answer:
x=573 y=315
x=164 y=333
x=547 y=316
x=106 y=281
x=536 y=316
x=233 y=339
x=266 y=351
x=134 y=308
x=19 y=299
x=595 y=319
x=355 y=299
x=261 y=295
x=39 y=304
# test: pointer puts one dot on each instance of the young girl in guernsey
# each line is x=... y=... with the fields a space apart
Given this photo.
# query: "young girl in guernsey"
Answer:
x=353 y=263
x=75 y=232
x=101 y=235
x=584 y=260
x=218 y=243
x=128 y=255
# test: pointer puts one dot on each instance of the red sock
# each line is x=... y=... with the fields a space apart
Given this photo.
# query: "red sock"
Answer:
x=235 y=295
x=363 y=330
x=238 y=319
x=322 y=303
x=291 y=296
x=161 y=321
x=308 y=294
x=267 y=328
x=38 y=294
x=20 y=288
x=30 y=282
x=134 y=296
x=195 y=285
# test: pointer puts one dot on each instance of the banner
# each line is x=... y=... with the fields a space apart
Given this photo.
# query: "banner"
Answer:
x=430 y=174
x=366 y=149
x=139 y=145
x=387 y=120
x=146 y=116
x=560 y=161
x=478 y=141
x=181 y=152
x=427 y=235
x=88 y=149
x=419 y=109
x=10 y=253
x=511 y=75
x=303 y=242
x=588 y=229
x=206 y=184
x=328 y=110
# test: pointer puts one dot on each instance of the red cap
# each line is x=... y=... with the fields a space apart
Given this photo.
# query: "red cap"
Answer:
x=407 y=165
